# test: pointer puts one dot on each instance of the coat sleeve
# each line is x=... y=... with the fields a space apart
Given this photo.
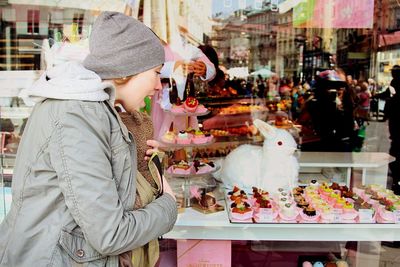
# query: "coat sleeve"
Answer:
x=80 y=154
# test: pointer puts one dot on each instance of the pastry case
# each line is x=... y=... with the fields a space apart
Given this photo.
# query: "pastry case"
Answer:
x=267 y=60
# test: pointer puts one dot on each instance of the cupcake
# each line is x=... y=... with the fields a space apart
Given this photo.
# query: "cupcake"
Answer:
x=298 y=198
x=241 y=210
x=183 y=138
x=191 y=104
x=288 y=212
x=282 y=201
x=348 y=207
x=202 y=167
x=209 y=137
x=339 y=203
x=181 y=168
x=263 y=203
x=237 y=194
x=309 y=211
x=298 y=190
x=385 y=216
x=314 y=184
x=309 y=214
x=302 y=203
x=168 y=137
x=201 y=109
x=327 y=215
x=199 y=137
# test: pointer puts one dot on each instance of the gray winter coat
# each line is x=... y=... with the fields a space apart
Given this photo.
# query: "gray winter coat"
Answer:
x=74 y=189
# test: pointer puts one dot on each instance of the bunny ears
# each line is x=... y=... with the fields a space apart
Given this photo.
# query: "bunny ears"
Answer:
x=265 y=129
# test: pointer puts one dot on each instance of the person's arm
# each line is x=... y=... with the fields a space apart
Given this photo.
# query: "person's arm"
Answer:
x=80 y=153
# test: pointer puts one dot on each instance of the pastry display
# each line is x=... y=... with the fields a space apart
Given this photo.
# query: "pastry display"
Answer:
x=238 y=109
x=311 y=204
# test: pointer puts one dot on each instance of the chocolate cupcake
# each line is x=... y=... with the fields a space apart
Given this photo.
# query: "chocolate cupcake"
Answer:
x=302 y=203
x=309 y=211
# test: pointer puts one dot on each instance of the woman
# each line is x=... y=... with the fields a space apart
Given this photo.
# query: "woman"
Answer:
x=74 y=181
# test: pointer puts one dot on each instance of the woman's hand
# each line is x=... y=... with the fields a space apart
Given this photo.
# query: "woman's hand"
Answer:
x=154 y=145
x=199 y=68
x=167 y=188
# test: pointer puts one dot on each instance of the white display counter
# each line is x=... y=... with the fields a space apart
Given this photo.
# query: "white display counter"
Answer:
x=194 y=225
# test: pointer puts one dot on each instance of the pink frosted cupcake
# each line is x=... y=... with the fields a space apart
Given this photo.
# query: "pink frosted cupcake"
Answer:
x=326 y=215
x=349 y=213
x=241 y=211
x=201 y=109
x=209 y=137
x=272 y=215
x=309 y=214
x=385 y=216
x=288 y=212
x=199 y=138
x=339 y=203
x=183 y=138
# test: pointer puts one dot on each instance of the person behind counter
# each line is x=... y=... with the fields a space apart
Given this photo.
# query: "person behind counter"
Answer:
x=74 y=183
x=200 y=66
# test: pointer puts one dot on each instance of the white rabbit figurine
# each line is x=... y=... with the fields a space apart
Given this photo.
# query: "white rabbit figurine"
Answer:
x=269 y=167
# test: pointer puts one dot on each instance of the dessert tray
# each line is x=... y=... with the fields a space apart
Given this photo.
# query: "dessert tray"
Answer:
x=186 y=113
x=169 y=173
x=314 y=203
x=164 y=144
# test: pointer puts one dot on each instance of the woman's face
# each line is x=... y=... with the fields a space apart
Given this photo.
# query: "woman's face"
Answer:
x=131 y=94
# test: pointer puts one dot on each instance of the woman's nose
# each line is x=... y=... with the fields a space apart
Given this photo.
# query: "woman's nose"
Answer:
x=158 y=85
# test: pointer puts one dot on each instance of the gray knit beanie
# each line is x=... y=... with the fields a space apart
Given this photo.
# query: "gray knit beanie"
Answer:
x=121 y=46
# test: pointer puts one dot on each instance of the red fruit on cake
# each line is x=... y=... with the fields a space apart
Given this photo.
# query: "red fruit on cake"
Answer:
x=241 y=210
x=191 y=104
